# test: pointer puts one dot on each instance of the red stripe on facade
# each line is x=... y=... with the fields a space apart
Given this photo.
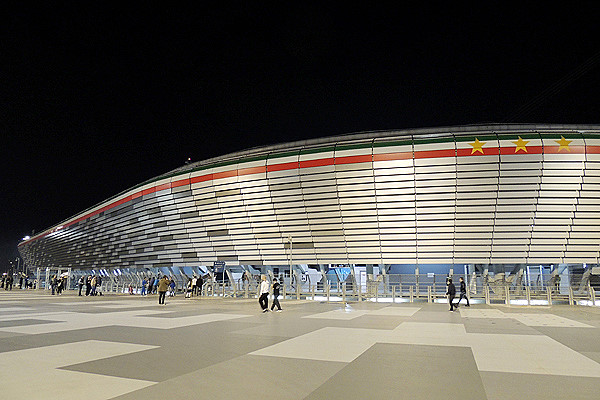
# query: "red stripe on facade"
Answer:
x=558 y=150
x=164 y=186
x=202 y=178
x=435 y=153
x=183 y=182
x=250 y=171
x=283 y=166
x=354 y=159
x=505 y=151
x=592 y=149
x=316 y=163
x=225 y=174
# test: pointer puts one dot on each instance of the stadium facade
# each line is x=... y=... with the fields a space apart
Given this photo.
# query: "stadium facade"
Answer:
x=494 y=196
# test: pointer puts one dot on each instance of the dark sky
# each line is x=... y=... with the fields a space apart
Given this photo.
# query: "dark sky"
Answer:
x=96 y=100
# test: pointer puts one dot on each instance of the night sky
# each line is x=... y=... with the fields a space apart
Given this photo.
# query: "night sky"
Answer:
x=96 y=100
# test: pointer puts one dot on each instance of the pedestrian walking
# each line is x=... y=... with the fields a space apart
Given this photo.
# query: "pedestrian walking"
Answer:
x=276 y=287
x=463 y=292
x=451 y=292
x=263 y=298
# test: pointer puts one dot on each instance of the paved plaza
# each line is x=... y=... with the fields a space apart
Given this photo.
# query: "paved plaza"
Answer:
x=128 y=347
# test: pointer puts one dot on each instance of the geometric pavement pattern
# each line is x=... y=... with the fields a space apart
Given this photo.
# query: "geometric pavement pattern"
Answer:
x=129 y=347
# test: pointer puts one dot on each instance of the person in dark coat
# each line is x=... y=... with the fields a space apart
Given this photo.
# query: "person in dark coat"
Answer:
x=276 y=287
x=463 y=292
x=451 y=293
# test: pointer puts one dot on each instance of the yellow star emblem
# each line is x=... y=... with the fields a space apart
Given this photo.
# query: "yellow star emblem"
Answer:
x=521 y=144
x=477 y=146
x=564 y=143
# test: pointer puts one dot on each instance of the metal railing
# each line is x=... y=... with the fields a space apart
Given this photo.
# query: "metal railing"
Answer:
x=391 y=288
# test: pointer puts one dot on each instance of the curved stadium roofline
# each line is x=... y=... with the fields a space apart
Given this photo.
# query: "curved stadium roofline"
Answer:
x=347 y=139
x=357 y=137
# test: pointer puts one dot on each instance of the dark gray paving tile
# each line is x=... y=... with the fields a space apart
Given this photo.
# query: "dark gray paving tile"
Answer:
x=247 y=377
x=497 y=325
x=24 y=322
x=181 y=351
x=502 y=386
x=389 y=371
x=578 y=339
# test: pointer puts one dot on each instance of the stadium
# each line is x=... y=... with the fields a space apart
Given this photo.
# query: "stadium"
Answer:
x=512 y=203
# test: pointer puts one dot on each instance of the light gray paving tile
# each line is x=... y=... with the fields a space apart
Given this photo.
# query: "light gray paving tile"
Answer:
x=43 y=363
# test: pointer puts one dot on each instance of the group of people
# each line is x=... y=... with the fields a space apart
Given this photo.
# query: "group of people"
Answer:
x=194 y=286
x=6 y=282
x=92 y=283
x=451 y=293
x=58 y=284
x=263 y=298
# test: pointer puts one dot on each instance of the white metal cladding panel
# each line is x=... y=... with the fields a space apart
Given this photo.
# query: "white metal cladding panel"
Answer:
x=360 y=187
x=364 y=168
x=449 y=163
x=361 y=149
x=380 y=147
x=317 y=155
x=441 y=145
x=393 y=173
x=354 y=178
x=429 y=171
x=476 y=195
x=537 y=233
x=509 y=161
x=292 y=158
x=558 y=180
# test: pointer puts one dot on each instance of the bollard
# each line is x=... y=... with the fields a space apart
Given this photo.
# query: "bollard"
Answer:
x=593 y=295
x=528 y=295
x=344 y=293
x=429 y=295
x=314 y=288
x=506 y=295
x=393 y=294
x=487 y=295
x=549 y=294
x=411 y=293
x=328 y=291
